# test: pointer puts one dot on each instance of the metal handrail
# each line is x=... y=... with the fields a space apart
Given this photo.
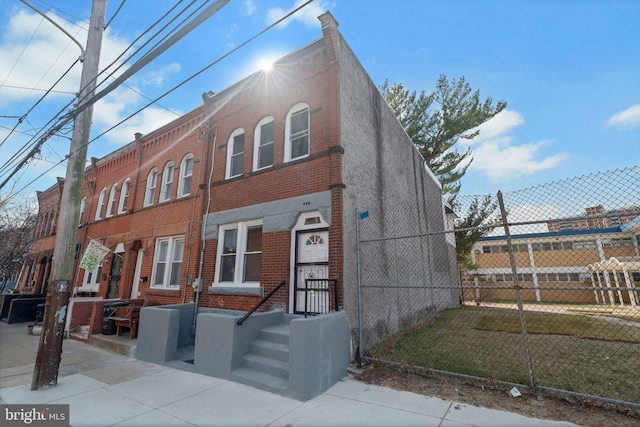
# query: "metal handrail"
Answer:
x=262 y=301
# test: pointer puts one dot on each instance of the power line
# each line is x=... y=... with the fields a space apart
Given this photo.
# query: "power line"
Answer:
x=202 y=70
x=114 y=15
x=35 y=89
x=24 y=116
x=132 y=44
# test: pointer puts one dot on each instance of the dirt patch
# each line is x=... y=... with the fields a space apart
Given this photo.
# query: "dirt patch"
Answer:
x=586 y=413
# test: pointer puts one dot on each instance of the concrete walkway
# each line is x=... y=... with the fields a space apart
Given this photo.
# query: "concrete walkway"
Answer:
x=108 y=389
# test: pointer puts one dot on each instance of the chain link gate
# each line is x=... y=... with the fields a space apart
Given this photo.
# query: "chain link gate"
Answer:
x=545 y=293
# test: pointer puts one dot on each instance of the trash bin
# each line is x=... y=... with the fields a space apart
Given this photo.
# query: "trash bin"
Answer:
x=108 y=324
x=39 y=313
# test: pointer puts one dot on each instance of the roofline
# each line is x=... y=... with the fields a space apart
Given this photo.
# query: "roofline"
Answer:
x=309 y=47
x=555 y=234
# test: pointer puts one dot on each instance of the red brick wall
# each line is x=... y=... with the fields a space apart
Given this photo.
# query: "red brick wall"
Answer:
x=308 y=76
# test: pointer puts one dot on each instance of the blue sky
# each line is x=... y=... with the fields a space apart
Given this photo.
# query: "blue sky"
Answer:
x=568 y=70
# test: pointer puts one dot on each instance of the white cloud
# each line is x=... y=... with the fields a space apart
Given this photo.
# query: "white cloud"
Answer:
x=249 y=7
x=502 y=123
x=308 y=15
x=629 y=118
x=159 y=77
x=497 y=157
x=499 y=160
x=35 y=54
x=118 y=105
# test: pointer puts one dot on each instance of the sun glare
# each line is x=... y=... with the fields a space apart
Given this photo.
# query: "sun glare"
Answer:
x=265 y=64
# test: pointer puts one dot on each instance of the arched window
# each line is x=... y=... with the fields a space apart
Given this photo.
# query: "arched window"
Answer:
x=111 y=210
x=167 y=182
x=100 y=208
x=235 y=154
x=83 y=205
x=296 y=142
x=124 y=196
x=263 y=144
x=186 y=174
x=150 y=189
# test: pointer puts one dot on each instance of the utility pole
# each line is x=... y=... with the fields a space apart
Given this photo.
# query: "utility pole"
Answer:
x=45 y=373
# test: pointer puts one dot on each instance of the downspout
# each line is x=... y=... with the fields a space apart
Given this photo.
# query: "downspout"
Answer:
x=198 y=284
x=194 y=285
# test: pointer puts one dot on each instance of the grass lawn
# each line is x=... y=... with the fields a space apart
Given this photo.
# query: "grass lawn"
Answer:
x=574 y=352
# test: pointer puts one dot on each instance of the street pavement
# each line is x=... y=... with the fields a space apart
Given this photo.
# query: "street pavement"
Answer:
x=108 y=389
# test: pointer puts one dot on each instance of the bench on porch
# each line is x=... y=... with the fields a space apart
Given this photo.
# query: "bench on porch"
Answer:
x=127 y=317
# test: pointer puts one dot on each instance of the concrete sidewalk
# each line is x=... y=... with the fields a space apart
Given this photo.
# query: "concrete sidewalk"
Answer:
x=105 y=389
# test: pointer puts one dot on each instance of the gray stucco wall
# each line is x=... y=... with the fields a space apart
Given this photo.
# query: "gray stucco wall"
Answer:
x=279 y=215
x=385 y=175
x=163 y=330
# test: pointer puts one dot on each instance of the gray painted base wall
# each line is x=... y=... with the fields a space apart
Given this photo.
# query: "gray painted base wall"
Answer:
x=319 y=346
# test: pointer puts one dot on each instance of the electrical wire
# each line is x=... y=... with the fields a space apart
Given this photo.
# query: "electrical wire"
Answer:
x=24 y=116
x=33 y=89
x=114 y=15
x=132 y=44
x=274 y=24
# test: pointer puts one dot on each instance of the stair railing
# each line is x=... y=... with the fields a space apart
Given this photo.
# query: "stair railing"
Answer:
x=259 y=304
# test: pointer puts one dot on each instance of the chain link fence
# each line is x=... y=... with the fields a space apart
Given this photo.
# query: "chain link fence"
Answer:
x=546 y=293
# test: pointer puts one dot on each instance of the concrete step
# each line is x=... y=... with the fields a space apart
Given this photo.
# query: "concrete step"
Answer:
x=183 y=366
x=185 y=354
x=118 y=344
x=277 y=334
x=266 y=365
x=260 y=380
x=270 y=349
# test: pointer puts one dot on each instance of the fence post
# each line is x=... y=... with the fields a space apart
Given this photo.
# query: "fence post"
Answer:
x=358 y=219
x=516 y=286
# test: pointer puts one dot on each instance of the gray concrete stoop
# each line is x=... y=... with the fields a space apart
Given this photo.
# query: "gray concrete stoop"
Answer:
x=266 y=365
x=117 y=344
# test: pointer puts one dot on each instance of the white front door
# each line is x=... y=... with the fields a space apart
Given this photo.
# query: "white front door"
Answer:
x=312 y=262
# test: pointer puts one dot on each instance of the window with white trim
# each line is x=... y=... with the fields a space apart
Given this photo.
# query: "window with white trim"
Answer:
x=124 y=196
x=239 y=253
x=150 y=189
x=186 y=174
x=167 y=262
x=100 y=208
x=263 y=144
x=112 y=201
x=235 y=154
x=296 y=142
x=92 y=279
x=167 y=182
x=83 y=206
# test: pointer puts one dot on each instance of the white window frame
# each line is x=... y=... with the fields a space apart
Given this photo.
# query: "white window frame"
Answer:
x=150 y=189
x=83 y=206
x=169 y=262
x=103 y=195
x=91 y=280
x=231 y=154
x=288 y=136
x=124 y=196
x=185 y=174
x=257 y=146
x=166 y=189
x=111 y=206
x=241 y=244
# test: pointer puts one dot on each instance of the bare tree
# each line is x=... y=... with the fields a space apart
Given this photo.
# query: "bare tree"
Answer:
x=17 y=220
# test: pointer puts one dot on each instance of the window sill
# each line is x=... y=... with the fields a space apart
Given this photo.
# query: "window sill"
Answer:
x=171 y=292
x=231 y=289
